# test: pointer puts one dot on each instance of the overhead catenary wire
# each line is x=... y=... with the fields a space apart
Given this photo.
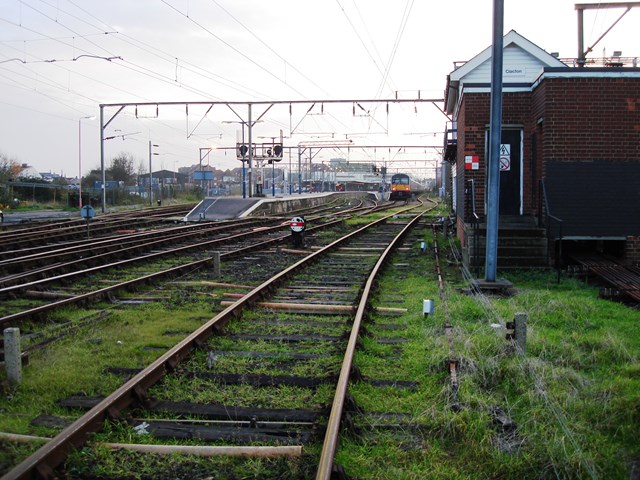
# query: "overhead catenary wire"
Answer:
x=54 y=84
x=180 y=62
x=63 y=18
x=310 y=80
x=364 y=45
x=403 y=24
x=239 y=52
x=125 y=63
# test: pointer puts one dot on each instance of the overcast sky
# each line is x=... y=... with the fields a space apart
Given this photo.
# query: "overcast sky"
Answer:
x=61 y=59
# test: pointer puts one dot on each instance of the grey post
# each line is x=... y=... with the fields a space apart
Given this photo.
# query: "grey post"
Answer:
x=521 y=332
x=495 y=129
x=216 y=264
x=13 y=354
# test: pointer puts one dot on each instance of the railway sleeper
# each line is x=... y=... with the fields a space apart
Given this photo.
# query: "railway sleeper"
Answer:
x=290 y=356
x=237 y=435
x=287 y=338
x=256 y=380
x=208 y=411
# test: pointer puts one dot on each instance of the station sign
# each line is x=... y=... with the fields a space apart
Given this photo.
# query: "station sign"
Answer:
x=200 y=175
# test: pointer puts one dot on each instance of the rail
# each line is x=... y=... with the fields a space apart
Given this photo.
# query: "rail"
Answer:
x=544 y=212
x=41 y=464
x=330 y=444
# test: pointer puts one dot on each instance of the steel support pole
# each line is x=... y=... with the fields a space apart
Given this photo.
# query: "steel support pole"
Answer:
x=151 y=177
x=299 y=170
x=581 y=56
x=310 y=172
x=104 y=177
x=80 y=163
x=495 y=129
x=250 y=172
x=273 y=178
x=244 y=170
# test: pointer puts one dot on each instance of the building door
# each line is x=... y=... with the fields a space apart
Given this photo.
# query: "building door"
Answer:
x=510 y=171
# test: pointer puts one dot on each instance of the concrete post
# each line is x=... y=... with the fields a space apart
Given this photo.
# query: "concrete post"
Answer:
x=216 y=264
x=521 y=332
x=13 y=355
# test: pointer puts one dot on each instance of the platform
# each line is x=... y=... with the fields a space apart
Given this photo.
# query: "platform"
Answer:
x=226 y=208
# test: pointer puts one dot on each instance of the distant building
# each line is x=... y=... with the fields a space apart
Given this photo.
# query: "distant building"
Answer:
x=28 y=172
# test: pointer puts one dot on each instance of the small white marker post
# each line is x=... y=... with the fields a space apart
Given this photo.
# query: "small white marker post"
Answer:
x=13 y=355
x=427 y=307
x=216 y=264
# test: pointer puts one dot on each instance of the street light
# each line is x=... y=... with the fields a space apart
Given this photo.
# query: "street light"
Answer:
x=92 y=117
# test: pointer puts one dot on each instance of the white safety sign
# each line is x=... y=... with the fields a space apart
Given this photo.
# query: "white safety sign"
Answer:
x=505 y=157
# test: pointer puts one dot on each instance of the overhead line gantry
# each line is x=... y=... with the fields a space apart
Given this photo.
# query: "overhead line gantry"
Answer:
x=249 y=122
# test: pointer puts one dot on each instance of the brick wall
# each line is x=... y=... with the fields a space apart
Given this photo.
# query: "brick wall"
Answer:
x=590 y=118
x=590 y=150
x=473 y=123
x=578 y=121
x=632 y=250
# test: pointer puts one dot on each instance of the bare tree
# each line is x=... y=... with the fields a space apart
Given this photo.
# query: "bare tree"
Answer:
x=122 y=168
x=9 y=168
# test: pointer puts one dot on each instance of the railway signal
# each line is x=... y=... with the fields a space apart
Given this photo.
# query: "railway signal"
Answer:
x=297 y=225
x=242 y=151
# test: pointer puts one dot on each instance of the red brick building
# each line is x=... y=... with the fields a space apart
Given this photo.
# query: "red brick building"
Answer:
x=570 y=148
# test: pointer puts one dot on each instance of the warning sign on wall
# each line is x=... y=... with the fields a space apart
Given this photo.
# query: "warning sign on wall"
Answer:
x=472 y=162
x=505 y=157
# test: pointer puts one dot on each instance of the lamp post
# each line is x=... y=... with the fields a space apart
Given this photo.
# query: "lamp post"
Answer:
x=80 y=157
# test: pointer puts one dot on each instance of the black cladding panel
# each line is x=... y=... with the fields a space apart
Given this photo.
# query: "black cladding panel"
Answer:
x=595 y=198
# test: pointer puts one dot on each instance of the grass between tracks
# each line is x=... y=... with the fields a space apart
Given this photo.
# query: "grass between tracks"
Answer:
x=569 y=408
x=574 y=398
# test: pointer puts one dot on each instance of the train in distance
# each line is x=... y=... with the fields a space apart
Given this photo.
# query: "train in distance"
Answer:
x=402 y=187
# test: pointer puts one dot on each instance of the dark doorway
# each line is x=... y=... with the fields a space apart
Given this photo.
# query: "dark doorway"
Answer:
x=510 y=171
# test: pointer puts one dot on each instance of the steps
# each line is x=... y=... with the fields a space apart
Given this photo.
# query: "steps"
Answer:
x=521 y=244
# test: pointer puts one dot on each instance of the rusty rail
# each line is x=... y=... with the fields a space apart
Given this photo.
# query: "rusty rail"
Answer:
x=42 y=463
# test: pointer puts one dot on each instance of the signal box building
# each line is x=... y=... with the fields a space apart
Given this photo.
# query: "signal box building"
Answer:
x=569 y=159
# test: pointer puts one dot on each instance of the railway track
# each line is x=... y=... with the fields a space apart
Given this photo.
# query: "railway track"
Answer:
x=188 y=247
x=72 y=229
x=252 y=344
x=623 y=280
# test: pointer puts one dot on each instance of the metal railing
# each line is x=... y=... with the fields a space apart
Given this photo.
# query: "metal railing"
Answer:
x=544 y=212
x=475 y=224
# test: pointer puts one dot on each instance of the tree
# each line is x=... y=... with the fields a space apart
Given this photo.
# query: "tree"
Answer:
x=9 y=168
x=142 y=168
x=121 y=169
